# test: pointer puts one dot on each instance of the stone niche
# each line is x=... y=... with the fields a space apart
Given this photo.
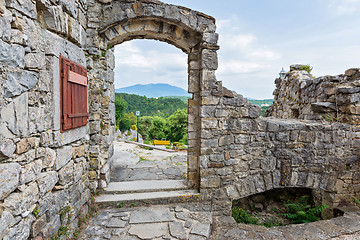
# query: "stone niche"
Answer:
x=268 y=206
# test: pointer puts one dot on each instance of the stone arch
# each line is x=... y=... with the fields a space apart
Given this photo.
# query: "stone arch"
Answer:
x=190 y=31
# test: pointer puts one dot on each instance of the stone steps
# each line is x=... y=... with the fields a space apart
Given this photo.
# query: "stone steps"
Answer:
x=147 y=198
x=146 y=192
x=146 y=186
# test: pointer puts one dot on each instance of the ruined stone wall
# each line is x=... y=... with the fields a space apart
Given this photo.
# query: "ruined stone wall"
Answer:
x=243 y=154
x=42 y=171
x=328 y=98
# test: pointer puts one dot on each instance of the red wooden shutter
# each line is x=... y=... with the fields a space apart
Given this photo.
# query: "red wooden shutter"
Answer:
x=73 y=95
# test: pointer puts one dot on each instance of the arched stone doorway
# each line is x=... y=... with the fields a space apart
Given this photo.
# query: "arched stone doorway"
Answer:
x=190 y=31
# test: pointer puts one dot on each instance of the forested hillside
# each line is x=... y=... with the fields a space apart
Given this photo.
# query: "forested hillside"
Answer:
x=160 y=118
x=163 y=107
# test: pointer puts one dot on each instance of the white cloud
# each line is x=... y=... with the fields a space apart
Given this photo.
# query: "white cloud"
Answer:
x=243 y=54
x=344 y=7
x=264 y=54
x=145 y=61
x=130 y=55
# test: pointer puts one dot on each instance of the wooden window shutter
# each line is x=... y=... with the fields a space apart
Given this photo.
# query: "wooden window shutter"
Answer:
x=73 y=95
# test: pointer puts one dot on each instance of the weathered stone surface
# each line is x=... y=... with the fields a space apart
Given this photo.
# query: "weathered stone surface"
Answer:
x=19 y=82
x=47 y=181
x=5 y=19
x=26 y=144
x=63 y=156
x=56 y=20
x=9 y=178
x=47 y=156
x=35 y=60
x=7 y=148
x=115 y=223
x=151 y=216
x=20 y=231
x=30 y=171
x=95 y=231
x=66 y=174
x=27 y=7
x=45 y=203
x=12 y=55
x=177 y=230
x=6 y=220
x=201 y=229
x=149 y=230
x=38 y=225
x=70 y=7
x=22 y=201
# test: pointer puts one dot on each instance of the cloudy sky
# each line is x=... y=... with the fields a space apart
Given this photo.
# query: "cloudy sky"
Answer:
x=257 y=38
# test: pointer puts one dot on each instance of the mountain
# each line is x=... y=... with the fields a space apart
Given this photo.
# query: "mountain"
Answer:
x=153 y=90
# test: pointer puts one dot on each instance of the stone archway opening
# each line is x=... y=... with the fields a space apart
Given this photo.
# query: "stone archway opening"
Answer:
x=188 y=41
x=144 y=62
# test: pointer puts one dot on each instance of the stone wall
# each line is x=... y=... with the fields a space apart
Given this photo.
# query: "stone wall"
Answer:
x=233 y=153
x=42 y=171
x=328 y=98
x=243 y=154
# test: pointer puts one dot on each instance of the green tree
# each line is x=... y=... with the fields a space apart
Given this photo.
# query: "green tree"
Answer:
x=145 y=124
x=131 y=116
x=178 y=125
x=120 y=108
x=158 y=129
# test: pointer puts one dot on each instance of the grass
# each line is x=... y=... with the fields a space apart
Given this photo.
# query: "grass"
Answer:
x=143 y=160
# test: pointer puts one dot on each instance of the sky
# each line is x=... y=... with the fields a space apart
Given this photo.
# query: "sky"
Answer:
x=256 y=38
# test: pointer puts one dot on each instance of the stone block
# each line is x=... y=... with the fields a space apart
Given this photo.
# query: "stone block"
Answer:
x=56 y=20
x=26 y=7
x=5 y=19
x=21 y=230
x=70 y=7
x=226 y=140
x=209 y=59
x=209 y=122
x=74 y=135
x=7 y=149
x=9 y=178
x=6 y=220
x=19 y=82
x=211 y=182
x=35 y=60
x=232 y=192
x=45 y=204
x=30 y=171
x=12 y=55
x=22 y=201
x=66 y=174
x=38 y=226
x=47 y=156
x=46 y=181
x=26 y=144
x=63 y=156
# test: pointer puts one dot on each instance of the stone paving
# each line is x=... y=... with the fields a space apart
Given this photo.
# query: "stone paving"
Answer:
x=181 y=221
x=194 y=221
x=133 y=163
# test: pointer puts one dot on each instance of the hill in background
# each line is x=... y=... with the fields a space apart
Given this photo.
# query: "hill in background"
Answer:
x=154 y=90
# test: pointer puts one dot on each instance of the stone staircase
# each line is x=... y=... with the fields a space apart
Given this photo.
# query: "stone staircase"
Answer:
x=146 y=192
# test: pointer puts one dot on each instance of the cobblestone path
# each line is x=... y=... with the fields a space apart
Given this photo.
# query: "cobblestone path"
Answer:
x=133 y=163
